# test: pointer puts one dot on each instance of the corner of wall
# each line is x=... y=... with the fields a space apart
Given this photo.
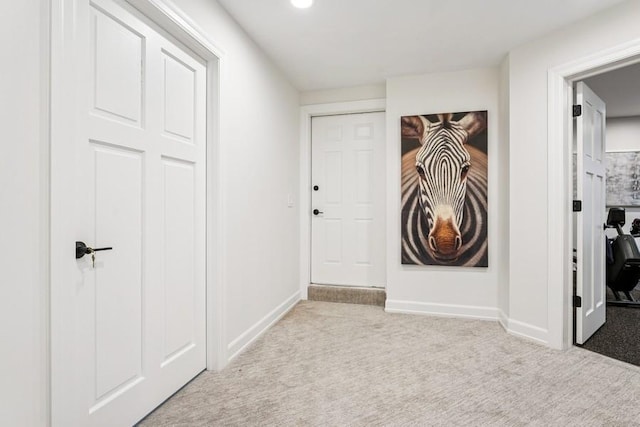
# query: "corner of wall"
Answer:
x=503 y=204
x=526 y=331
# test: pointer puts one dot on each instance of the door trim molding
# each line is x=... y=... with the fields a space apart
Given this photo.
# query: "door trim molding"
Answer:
x=170 y=18
x=63 y=123
x=307 y=112
x=559 y=170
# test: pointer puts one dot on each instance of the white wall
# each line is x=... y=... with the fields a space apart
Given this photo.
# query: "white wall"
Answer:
x=356 y=93
x=259 y=149
x=437 y=289
x=528 y=109
x=23 y=200
x=623 y=133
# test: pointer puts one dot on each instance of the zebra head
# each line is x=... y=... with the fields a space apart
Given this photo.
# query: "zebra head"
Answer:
x=443 y=164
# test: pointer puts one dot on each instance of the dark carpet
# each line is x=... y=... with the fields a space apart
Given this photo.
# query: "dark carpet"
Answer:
x=619 y=338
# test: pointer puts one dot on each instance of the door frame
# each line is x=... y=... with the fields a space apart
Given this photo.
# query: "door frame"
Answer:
x=63 y=122
x=307 y=113
x=559 y=170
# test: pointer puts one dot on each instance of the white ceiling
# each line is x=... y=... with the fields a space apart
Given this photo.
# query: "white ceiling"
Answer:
x=620 y=90
x=341 y=43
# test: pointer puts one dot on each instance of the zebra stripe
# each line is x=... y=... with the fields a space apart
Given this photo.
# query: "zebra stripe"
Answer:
x=443 y=154
x=415 y=229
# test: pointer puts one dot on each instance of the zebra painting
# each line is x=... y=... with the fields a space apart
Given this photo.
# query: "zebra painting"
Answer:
x=444 y=189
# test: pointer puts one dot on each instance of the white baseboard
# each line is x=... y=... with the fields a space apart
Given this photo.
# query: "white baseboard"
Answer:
x=239 y=344
x=527 y=331
x=512 y=327
x=444 y=310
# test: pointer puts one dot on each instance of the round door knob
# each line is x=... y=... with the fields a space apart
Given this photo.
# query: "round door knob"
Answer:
x=317 y=212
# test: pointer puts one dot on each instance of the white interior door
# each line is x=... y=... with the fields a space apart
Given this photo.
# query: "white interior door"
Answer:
x=590 y=145
x=132 y=326
x=348 y=207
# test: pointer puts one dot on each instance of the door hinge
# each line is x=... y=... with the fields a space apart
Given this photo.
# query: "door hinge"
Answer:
x=577 y=110
x=577 y=301
x=577 y=205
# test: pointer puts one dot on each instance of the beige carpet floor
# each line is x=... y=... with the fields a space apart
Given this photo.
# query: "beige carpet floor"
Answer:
x=328 y=364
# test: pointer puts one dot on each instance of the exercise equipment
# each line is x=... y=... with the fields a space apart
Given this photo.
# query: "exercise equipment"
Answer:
x=635 y=227
x=623 y=261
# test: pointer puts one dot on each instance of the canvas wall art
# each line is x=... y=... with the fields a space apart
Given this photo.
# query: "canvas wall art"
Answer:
x=444 y=189
x=623 y=178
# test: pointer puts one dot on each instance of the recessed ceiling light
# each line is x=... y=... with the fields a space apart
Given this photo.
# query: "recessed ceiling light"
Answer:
x=302 y=4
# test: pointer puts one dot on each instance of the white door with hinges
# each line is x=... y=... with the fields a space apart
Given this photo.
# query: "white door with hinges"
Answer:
x=591 y=188
x=128 y=327
x=348 y=200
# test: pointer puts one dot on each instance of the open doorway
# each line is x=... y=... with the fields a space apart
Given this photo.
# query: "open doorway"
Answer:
x=620 y=91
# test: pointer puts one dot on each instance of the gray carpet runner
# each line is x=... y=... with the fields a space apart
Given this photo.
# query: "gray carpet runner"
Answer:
x=345 y=294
